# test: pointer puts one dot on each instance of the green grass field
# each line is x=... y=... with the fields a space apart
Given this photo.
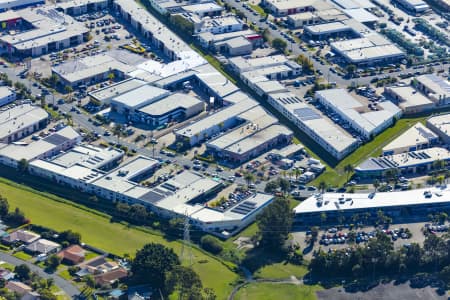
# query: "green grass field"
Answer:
x=270 y=291
x=112 y=237
x=281 y=270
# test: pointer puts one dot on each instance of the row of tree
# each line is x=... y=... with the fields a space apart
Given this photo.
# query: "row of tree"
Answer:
x=378 y=257
x=15 y=217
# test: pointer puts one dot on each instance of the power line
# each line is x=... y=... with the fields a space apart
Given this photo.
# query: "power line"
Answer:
x=186 y=248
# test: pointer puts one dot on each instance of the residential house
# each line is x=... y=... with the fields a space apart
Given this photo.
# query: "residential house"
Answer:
x=18 y=287
x=111 y=276
x=43 y=246
x=21 y=236
x=73 y=254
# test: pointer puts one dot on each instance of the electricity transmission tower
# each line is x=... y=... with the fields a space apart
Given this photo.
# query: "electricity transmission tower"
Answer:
x=186 y=248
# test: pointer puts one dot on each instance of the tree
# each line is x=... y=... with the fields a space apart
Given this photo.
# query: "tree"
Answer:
x=272 y=186
x=69 y=119
x=376 y=184
x=17 y=217
x=211 y=244
x=70 y=236
x=249 y=178
x=323 y=217
x=185 y=281
x=22 y=271
x=350 y=69
x=322 y=186
x=69 y=90
x=279 y=44
x=179 y=146
x=209 y=294
x=53 y=80
x=4 y=207
x=152 y=263
x=22 y=166
x=138 y=213
x=348 y=169
x=111 y=76
x=285 y=185
x=297 y=173
x=306 y=63
x=182 y=24
x=52 y=262
x=90 y=281
x=117 y=131
x=275 y=222
x=46 y=294
x=444 y=275
x=314 y=233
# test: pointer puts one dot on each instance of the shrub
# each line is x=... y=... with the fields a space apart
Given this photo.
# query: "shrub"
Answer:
x=211 y=244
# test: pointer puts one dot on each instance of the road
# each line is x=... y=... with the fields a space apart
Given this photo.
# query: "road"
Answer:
x=63 y=284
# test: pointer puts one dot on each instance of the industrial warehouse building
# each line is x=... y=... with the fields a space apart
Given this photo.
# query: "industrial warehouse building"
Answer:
x=441 y=126
x=281 y=8
x=81 y=168
x=368 y=122
x=415 y=7
x=7 y=95
x=155 y=106
x=415 y=138
x=435 y=88
x=20 y=121
x=19 y=4
x=409 y=99
x=413 y=162
x=418 y=203
x=336 y=141
x=369 y=50
x=39 y=31
x=79 y=7
x=61 y=140
x=258 y=134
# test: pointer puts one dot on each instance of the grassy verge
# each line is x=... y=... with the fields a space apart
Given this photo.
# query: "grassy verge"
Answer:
x=117 y=238
x=337 y=176
x=65 y=274
x=263 y=291
x=258 y=9
x=213 y=61
x=22 y=255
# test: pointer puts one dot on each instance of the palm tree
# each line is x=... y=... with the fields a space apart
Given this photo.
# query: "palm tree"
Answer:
x=323 y=218
x=376 y=184
x=111 y=77
x=348 y=170
x=53 y=80
x=297 y=173
x=117 y=131
x=438 y=164
x=249 y=178
x=322 y=186
x=68 y=89
x=69 y=119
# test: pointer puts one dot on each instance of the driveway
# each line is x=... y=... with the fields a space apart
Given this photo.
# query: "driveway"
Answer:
x=63 y=284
